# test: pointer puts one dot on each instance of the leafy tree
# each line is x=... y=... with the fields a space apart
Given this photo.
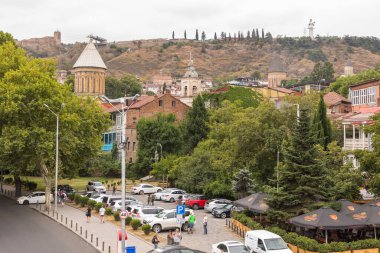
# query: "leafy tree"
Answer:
x=242 y=183
x=185 y=35
x=106 y=164
x=150 y=131
x=256 y=75
x=268 y=37
x=321 y=125
x=303 y=178
x=322 y=72
x=203 y=36
x=195 y=126
x=11 y=57
x=150 y=93
x=196 y=35
x=28 y=128
x=6 y=37
x=128 y=85
x=342 y=83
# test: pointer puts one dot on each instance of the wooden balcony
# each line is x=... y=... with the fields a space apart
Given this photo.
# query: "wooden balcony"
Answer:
x=351 y=144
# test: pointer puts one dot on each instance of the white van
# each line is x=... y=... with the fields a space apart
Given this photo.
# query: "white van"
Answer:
x=262 y=241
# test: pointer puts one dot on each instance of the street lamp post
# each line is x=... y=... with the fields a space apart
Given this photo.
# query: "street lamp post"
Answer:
x=56 y=153
x=122 y=147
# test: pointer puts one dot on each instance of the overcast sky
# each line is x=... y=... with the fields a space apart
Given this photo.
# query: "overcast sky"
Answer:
x=144 y=19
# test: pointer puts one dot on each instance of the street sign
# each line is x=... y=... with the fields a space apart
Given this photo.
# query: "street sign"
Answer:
x=180 y=209
x=123 y=214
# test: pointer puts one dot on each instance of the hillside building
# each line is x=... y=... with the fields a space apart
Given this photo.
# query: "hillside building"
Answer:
x=89 y=72
x=276 y=72
x=144 y=107
x=348 y=68
x=43 y=47
x=336 y=104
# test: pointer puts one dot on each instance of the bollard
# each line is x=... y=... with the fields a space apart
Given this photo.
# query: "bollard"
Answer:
x=103 y=246
x=48 y=212
x=66 y=220
x=97 y=242
x=226 y=222
x=81 y=230
x=40 y=207
x=76 y=226
x=71 y=224
x=109 y=249
x=57 y=215
x=61 y=218
x=91 y=238
x=85 y=234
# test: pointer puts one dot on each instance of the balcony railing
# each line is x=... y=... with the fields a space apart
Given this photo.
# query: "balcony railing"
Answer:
x=351 y=144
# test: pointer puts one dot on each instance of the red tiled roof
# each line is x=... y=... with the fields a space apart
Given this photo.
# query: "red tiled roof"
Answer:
x=220 y=90
x=333 y=98
x=143 y=100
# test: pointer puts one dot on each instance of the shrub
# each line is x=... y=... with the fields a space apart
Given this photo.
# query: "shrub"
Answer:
x=8 y=180
x=91 y=203
x=83 y=201
x=128 y=220
x=31 y=186
x=77 y=199
x=71 y=196
x=277 y=230
x=135 y=223
x=116 y=216
x=108 y=211
x=146 y=228
x=98 y=206
x=364 y=244
x=338 y=246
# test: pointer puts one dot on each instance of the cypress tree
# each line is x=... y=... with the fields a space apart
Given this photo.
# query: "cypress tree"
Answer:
x=257 y=34
x=253 y=34
x=262 y=33
x=173 y=35
x=229 y=36
x=303 y=179
x=195 y=126
x=215 y=37
x=196 y=35
x=321 y=125
x=185 y=35
x=248 y=34
x=164 y=88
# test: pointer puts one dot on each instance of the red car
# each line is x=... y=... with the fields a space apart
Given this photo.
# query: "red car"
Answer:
x=196 y=201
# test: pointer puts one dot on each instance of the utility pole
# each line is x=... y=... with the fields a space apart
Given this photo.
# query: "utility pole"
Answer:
x=278 y=167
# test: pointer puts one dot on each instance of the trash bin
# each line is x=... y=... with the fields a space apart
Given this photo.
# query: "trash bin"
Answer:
x=130 y=249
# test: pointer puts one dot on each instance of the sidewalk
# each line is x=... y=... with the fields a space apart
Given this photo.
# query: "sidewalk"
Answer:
x=102 y=236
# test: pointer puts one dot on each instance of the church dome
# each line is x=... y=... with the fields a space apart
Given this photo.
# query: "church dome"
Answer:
x=90 y=57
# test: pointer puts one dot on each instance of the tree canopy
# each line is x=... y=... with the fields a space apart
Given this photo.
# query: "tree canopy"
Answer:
x=128 y=85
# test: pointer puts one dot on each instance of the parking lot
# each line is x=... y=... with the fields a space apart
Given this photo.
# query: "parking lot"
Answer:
x=217 y=230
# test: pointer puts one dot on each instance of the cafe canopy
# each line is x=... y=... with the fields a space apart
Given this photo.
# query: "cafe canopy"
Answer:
x=254 y=202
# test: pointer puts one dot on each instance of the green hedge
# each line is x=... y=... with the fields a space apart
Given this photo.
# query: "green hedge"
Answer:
x=98 y=206
x=83 y=201
x=146 y=228
x=116 y=216
x=306 y=243
x=128 y=220
x=135 y=223
x=108 y=211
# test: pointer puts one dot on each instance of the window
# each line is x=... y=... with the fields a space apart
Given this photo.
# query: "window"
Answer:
x=173 y=103
x=160 y=103
x=128 y=145
x=363 y=96
x=130 y=160
x=170 y=215
x=260 y=244
x=134 y=120
x=133 y=146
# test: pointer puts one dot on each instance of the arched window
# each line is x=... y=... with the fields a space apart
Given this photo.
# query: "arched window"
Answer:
x=195 y=90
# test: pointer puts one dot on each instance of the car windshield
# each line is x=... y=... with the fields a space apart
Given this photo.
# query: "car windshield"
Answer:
x=98 y=184
x=275 y=244
x=228 y=206
x=238 y=249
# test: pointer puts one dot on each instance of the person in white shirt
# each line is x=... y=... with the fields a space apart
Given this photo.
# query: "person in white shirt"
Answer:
x=102 y=210
x=205 y=225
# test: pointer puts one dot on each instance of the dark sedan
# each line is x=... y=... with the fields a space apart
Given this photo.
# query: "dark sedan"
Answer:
x=225 y=211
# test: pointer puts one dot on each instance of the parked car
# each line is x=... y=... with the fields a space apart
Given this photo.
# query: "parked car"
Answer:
x=262 y=241
x=172 y=195
x=229 y=247
x=96 y=186
x=91 y=194
x=145 y=188
x=158 y=195
x=224 y=211
x=109 y=198
x=175 y=249
x=196 y=201
x=145 y=212
x=216 y=203
x=167 y=219
x=66 y=188
x=99 y=198
x=33 y=198
x=116 y=205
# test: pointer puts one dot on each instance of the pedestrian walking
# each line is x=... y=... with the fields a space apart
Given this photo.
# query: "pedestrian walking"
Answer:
x=155 y=241
x=88 y=214
x=205 y=225
x=170 y=238
x=177 y=237
x=152 y=200
x=191 y=223
x=149 y=199
x=102 y=211
x=63 y=197
x=113 y=190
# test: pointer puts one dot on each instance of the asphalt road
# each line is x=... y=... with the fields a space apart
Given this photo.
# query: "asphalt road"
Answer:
x=24 y=230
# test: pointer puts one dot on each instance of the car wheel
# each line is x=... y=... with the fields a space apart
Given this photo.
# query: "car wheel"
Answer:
x=157 y=228
x=195 y=207
x=172 y=200
x=223 y=215
x=141 y=192
x=185 y=226
x=26 y=202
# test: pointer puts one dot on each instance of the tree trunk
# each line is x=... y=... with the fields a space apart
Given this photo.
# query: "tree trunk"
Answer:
x=17 y=185
x=47 y=179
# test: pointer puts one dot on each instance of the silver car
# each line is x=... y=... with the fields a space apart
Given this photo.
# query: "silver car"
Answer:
x=173 y=195
x=216 y=203
x=158 y=195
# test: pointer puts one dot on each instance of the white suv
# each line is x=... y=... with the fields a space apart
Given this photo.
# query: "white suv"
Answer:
x=146 y=212
x=216 y=203
x=165 y=220
x=172 y=195
x=145 y=188
x=96 y=186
